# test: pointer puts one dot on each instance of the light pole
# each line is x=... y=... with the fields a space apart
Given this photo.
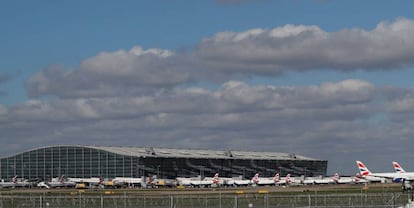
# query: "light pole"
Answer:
x=158 y=171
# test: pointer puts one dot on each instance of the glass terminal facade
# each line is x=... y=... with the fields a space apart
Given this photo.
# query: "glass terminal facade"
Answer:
x=109 y=162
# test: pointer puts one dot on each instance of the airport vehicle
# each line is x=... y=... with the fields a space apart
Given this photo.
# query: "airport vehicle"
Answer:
x=96 y=182
x=165 y=183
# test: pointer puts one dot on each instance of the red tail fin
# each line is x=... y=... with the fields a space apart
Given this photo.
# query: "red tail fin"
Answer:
x=256 y=178
x=276 y=178
x=216 y=178
x=288 y=180
x=335 y=177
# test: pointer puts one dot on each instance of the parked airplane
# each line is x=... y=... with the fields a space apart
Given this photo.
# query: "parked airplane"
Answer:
x=397 y=167
x=94 y=182
x=260 y=181
x=208 y=181
x=60 y=183
x=14 y=183
x=360 y=179
x=184 y=181
x=216 y=179
x=238 y=181
x=402 y=173
x=198 y=182
x=276 y=179
x=341 y=180
x=105 y=183
x=288 y=180
x=130 y=182
x=326 y=180
x=375 y=177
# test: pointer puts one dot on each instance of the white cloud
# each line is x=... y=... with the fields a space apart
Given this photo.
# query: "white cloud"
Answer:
x=299 y=48
x=301 y=119
x=227 y=55
x=402 y=105
x=195 y=113
x=136 y=71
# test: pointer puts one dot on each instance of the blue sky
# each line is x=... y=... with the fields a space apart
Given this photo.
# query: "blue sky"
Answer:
x=76 y=57
x=38 y=34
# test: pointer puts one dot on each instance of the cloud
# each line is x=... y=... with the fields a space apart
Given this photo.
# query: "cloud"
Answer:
x=231 y=97
x=136 y=71
x=301 y=48
x=237 y=115
x=229 y=55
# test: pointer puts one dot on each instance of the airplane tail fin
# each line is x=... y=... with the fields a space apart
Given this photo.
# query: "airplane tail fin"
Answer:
x=101 y=180
x=62 y=179
x=357 y=177
x=14 y=179
x=255 y=178
x=397 y=167
x=216 y=178
x=276 y=178
x=288 y=180
x=335 y=177
x=363 y=170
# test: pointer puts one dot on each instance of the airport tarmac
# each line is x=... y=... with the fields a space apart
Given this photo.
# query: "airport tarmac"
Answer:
x=357 y=188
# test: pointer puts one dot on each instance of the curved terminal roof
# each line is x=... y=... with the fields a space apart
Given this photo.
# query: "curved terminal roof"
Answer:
x=199 y=153
x=191 y=153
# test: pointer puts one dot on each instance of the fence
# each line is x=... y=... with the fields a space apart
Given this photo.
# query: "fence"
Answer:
x=218 y=200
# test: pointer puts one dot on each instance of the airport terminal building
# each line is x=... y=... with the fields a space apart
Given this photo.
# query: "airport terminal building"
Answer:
x=110 y=162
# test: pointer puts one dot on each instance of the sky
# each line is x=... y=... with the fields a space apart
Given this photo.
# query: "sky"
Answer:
x=326 y=79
